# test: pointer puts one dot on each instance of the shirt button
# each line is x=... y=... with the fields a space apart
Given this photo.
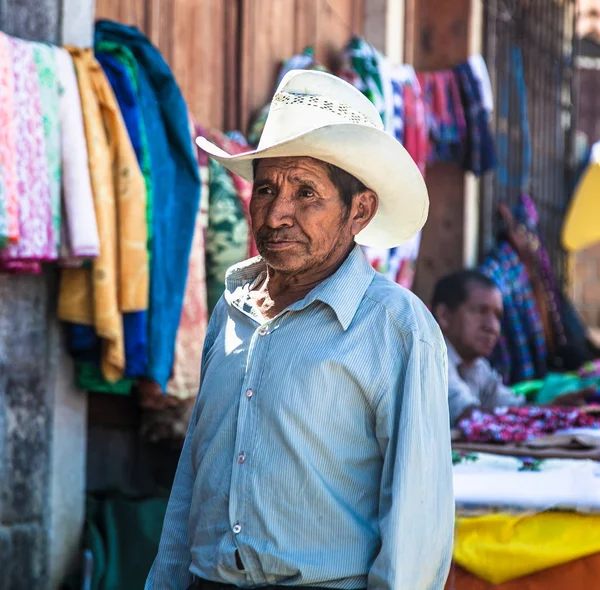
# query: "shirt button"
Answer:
x=263 y=331
x=237 y=529
x=249 y=393
x=241 y=458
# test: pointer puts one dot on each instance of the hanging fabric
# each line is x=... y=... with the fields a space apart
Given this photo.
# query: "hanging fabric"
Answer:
x=480 y=150
x=176 y=192
x=228 y=230
x=185 y=382
x=36 y=236
x=80 y=236
x=118 y=280
x=513 y=92
x=9 y=209
x=134 y=323
x=45 y=63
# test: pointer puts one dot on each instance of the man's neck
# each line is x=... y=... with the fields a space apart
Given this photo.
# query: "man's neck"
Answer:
x=280 y=290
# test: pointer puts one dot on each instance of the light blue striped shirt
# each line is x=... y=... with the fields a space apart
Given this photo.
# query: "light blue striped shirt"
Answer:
x=319 y=446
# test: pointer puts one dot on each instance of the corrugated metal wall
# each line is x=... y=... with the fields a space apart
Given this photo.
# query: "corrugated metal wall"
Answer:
x=225 y=53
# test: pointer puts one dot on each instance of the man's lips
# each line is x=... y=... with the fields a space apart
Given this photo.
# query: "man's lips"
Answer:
x=280 y=244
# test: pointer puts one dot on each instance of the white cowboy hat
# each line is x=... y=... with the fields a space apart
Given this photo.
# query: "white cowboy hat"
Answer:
x=319 y=115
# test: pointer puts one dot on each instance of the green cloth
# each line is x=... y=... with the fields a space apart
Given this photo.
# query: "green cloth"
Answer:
x=227 y=233
x=528 y=388
x=365 y=61
x=124 y=56
x=45 y=63
x=90 y=378
x=123 y=536
x=559 y=383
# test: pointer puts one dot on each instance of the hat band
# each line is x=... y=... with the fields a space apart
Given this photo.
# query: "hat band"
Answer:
x=339 y=109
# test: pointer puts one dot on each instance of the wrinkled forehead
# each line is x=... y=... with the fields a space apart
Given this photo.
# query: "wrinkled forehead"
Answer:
x=285 y=164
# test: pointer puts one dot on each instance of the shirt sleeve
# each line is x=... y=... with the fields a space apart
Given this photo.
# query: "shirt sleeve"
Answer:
x=416 y=505
x=171 y=568
x=460 y=395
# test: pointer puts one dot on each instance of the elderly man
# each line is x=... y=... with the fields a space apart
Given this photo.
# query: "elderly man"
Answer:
x=468 y=306
x=318 y=454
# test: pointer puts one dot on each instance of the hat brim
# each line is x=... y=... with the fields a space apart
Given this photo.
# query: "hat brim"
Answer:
x=379 y=161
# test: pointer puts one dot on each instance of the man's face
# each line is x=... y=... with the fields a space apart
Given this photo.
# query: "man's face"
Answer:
x=474 y=327
x=298 y=218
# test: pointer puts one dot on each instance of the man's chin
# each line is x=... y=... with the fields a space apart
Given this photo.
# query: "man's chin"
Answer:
x=282 y=261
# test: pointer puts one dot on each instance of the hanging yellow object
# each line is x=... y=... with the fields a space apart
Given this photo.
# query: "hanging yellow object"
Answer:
x=581 y=227
x=501 y=547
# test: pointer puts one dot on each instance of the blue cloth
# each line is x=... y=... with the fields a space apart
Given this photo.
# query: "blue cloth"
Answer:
x=521 y=353
x=135 y=326
x=480 y=153
x=513 y=92
x=319 y=447
x=176 y=192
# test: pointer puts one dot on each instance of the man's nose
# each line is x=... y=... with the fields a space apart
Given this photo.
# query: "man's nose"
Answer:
x=281 y=211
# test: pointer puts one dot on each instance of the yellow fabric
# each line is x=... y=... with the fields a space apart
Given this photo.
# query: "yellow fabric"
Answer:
x=501 y=547
x=118 y=281
x=581 y=227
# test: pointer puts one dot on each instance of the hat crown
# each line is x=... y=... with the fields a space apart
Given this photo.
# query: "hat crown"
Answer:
x=308 y=100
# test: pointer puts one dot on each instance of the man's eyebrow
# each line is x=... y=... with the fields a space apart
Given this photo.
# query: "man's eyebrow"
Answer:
x=304 y=181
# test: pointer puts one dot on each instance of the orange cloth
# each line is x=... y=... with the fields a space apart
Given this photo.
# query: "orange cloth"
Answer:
x=580 y=574
x=119 y=279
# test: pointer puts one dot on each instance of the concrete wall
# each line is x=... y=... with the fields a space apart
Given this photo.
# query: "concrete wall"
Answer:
x=42 y=416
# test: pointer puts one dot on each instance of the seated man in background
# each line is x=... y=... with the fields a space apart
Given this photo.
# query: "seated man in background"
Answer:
x=468 y=307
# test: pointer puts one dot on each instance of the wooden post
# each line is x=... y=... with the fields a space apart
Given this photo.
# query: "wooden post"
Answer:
x=441 y=41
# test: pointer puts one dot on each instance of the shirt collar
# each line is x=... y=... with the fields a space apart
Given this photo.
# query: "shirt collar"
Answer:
x=342 y=292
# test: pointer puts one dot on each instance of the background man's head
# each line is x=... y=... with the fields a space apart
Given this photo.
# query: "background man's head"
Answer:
x=468 y=307
x=305 y=212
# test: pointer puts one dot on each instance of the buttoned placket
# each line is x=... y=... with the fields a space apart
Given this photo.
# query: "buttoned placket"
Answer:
x=246 y=433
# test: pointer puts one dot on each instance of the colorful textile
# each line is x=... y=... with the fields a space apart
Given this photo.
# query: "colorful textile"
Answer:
x=482 y=75
x=242 y=186
x=125 y=59
x=81 y=238
x=135 y=324
x=525 y=213
x=227 y=233
x=36 y=237
x=8 y=150
x=590 y=369
x=480 y=152
x=523 y=423
x=361 y=68
x=118 y=280
x=512 y=133
x=185 y=382
x=45 y=63
x=444 y=114
x=176 y=192
x=521 y=352
x=502 y=547
x=416 y=140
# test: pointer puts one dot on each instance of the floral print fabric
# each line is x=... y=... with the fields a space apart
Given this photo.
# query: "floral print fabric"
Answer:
x=523 y=423
x=9 y=209
x=36 y=236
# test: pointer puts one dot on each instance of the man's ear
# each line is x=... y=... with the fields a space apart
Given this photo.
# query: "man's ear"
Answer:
x=364 y=207
x=442 y=315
